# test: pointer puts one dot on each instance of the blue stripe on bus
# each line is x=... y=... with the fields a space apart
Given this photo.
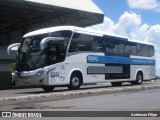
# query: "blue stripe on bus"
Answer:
x=119 y=60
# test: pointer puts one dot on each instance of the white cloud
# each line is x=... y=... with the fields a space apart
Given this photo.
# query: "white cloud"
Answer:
x=154 y=33
x=140 y=32
x=107 y=26
x=127 y=22
x=130 y=25
x=145 y=4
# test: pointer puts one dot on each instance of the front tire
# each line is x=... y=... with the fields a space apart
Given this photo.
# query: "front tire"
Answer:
x=75 y=82
x=139 y=79
x=48 y=88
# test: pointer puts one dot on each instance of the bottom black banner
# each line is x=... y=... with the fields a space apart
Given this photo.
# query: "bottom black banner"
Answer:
x=79 y=114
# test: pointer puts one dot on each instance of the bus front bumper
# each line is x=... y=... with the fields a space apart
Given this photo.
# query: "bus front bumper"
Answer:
x=30 y=80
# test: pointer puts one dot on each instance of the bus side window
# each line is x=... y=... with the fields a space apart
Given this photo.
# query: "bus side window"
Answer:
x=52 y=52
x=133 y=50
x=80 y=42
x=110 y=48
x=138 y=50
x=150 y=51
x=116 y=49
x=144 y=50
x=121 y=49
x=127 y=50
x=96 y=44
x=74 y=46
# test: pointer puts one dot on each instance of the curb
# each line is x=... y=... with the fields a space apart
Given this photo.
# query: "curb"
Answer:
x=44 y=96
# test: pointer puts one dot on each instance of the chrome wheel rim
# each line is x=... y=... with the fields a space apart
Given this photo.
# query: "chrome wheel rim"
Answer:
x=75 y=81
x=139 y=78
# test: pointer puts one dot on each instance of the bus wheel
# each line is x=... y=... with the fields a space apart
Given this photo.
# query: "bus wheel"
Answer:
x=75 y=81
x=116 y=83
x=48 y=88
x=139 y=79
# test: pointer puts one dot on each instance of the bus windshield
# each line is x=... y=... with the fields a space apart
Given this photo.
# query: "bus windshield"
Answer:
x=30 y=56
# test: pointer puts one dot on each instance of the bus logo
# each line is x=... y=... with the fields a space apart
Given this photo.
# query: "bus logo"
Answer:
x=92 y=59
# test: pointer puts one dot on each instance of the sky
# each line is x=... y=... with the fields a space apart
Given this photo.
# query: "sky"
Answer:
x=137 y=19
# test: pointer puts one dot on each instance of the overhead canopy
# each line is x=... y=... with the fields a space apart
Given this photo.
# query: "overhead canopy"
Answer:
x=18 y=17
x=29 y=15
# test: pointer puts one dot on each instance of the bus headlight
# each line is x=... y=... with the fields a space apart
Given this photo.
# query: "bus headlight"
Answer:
x=40 y=72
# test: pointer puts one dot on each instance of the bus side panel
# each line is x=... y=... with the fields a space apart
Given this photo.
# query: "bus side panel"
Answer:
x=73 y=62
x=95 y=73
x=79 y=62
x=147 y=70
x=56 y=75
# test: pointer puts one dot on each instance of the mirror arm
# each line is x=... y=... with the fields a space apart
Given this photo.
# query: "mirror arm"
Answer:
x=11 y=46
x=47 y=39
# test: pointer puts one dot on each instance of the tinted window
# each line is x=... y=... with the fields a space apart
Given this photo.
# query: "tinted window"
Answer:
x=133 y=47
x=109 y=45
x=83 y=42
x=120 y=47
x=116 y=47
x=150 y=50
x=56 y=50
x=97 y=44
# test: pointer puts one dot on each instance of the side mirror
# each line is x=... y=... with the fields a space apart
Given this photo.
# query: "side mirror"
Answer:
x=47 y=39
x=11 y=46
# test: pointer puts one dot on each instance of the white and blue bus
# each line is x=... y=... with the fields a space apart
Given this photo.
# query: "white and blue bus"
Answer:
x=71 y=56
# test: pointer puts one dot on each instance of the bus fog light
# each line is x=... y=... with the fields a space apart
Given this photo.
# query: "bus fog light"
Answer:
x=39 y=73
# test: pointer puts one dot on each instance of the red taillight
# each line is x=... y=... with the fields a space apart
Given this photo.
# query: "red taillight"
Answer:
x=26 y=83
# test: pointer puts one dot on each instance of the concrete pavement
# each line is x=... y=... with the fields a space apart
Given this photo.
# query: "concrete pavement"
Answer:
x=18 y=95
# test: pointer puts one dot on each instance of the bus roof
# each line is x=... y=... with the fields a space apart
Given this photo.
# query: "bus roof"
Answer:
x=48 y=30
x=81 y=30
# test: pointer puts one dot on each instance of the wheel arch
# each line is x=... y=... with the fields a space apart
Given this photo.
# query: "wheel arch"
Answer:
x=139 y=71
x=76 y=71
x=138 y=80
